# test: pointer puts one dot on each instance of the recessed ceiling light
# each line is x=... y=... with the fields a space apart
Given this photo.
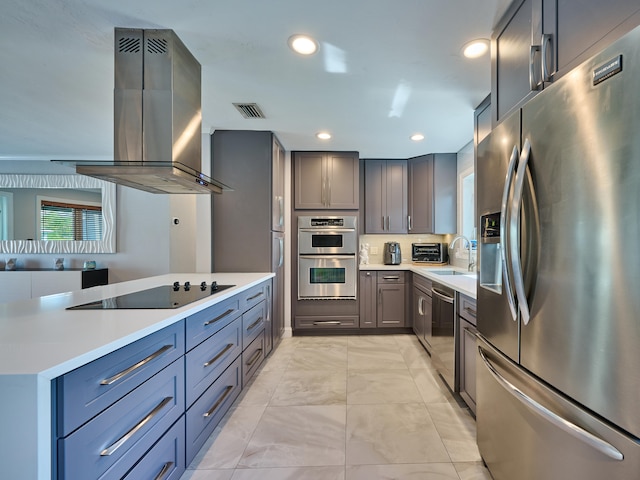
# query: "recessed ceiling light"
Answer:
x=303 y=44
x=476 y=48
x=416 y=137
x=323 y=135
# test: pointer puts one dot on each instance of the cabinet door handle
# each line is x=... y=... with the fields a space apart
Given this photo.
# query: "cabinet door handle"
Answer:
x=259 y=294
x=133 y=368
x=254 y=358
x=214 y=359
x=255 y=324
x=165 y=469
x=219 y=317
x=409 y=222
x=470 y=310
x=421 y=305
x=384 y=222
x=224 y=395
x=127 y=436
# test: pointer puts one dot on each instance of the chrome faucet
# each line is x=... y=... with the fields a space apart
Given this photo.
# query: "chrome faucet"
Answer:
x=453 y=242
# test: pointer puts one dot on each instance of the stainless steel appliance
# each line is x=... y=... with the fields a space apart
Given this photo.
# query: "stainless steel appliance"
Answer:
x=557 y=189
x=443 y=333
x=429 y=252
x=164 y=296
x=392 y=254
x=327 y=266
x=157 y=117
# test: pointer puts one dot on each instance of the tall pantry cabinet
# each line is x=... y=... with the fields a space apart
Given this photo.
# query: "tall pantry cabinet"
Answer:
x=248 y=223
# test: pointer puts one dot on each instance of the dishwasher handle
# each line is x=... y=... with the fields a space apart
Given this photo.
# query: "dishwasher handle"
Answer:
x=442 y=295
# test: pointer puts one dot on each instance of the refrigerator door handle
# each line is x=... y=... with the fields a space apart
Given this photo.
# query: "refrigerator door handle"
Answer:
x=281 y=260
x=562 y=423
x=514 y=224
x=503 y=232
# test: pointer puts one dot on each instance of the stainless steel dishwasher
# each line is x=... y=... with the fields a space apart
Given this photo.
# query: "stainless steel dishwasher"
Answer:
x=443 y=310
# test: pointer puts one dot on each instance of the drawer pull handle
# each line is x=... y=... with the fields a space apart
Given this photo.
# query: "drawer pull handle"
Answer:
x=391 y=278
x=132 y=368
x=470 y=310
x=254 y=358
x=222 y=398
x=255 y=324
x=217 y=357
x=219 y=317
x=112 y=449
x=259 y=294
x=327 y=322
x=165 y=469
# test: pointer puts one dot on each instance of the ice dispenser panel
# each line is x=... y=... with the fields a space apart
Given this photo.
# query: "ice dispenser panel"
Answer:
x=490 y=253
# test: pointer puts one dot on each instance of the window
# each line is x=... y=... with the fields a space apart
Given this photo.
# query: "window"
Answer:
x=68 y=221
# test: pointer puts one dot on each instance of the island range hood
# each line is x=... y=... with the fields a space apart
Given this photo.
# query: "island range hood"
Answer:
x=157 y=117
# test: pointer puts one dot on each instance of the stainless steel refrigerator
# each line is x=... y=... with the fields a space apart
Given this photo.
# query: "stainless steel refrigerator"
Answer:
x=558 y=187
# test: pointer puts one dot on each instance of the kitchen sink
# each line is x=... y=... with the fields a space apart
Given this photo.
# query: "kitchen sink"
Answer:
x=450 y=272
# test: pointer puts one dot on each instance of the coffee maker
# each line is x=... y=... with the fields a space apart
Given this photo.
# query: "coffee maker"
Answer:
x=392 y=255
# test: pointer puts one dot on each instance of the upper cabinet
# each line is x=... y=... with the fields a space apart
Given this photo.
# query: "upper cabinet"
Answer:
x=326 y=180
x=385 y=196
x=538 y=41
x=433 y=193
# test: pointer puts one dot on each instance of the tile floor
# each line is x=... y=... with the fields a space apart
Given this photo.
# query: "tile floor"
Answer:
x=344 y=408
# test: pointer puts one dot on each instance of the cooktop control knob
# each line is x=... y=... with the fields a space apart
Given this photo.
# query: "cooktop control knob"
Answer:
x=176 y=286
x=187 y=286
x=203 y=286
x=214 y=286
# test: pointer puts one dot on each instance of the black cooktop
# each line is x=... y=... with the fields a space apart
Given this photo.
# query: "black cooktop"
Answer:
x=165 y=296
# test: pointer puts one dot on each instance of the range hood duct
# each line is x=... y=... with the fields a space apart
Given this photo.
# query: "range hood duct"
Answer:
x=157 y=117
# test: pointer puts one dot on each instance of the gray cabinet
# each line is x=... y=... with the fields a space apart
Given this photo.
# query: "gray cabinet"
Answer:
x=433 y=193
x=247 y=228
x=467 y=348
x=383 y=299
x=367 y=294
x=385 y=196
x=326 y=180
x=538 y=41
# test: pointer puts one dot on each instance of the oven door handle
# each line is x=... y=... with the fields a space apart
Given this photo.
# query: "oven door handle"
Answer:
x=328 y=257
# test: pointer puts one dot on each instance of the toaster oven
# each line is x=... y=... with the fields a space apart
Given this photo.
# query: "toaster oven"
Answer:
x=429 y=252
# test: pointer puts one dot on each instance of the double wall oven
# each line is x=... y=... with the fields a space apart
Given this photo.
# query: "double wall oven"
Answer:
x=327 y=257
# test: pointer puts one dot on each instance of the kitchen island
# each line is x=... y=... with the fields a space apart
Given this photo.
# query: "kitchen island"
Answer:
x=40 y=341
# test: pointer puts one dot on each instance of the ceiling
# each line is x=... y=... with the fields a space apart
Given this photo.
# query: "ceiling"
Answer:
x=385 y=69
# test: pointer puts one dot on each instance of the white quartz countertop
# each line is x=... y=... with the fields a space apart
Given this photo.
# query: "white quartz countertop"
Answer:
x=465 y=283
x=40 y=337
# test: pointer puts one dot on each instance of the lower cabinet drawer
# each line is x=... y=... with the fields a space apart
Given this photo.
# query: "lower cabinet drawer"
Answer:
x=88 y=390
x=205 y=323
x=208 y=360
x=206 y=412
x=253 y=323
x=252 y=358
x=115 y=440
x=165 y=461
x=327 y=322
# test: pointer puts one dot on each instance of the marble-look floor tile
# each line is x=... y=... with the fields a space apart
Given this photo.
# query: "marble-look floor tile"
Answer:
x=398 y=433
x=297 y=436
x=472 y=471
x=226 y=445
x=414 y=354
x=381 y=386
x=331 y=341
x=296 y=473
x=311 y=387
x=457 y=428
x=319 y=359
x=428 y=471
x=372 y=358
x=380 y=342
x=260 y=389
x=207 y=475
x=431 y=387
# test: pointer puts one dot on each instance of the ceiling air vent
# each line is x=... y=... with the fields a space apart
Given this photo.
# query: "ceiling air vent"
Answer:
x=249 y=110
